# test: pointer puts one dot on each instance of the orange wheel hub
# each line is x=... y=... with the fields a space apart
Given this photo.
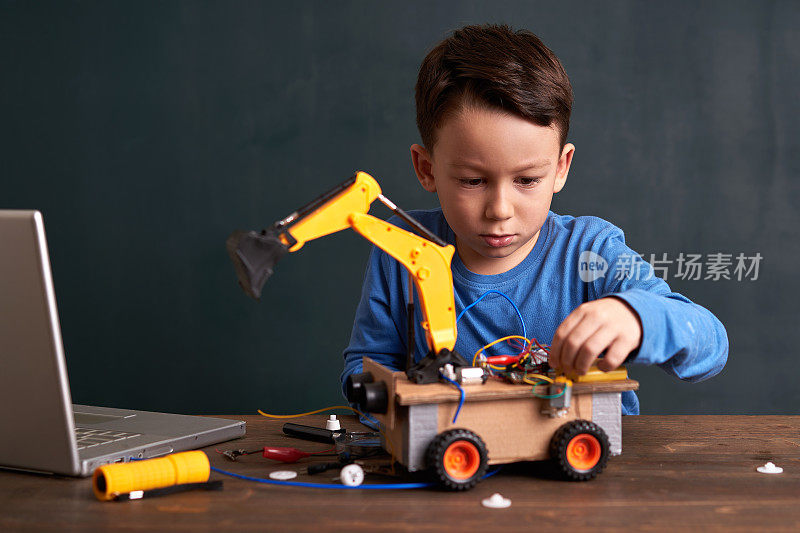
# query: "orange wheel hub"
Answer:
x=583 y=451
x=461 y=459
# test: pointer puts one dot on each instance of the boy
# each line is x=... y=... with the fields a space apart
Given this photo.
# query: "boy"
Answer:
x=493 y=109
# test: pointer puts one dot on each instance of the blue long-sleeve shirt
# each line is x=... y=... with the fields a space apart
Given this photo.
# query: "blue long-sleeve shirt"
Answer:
x=574 y=260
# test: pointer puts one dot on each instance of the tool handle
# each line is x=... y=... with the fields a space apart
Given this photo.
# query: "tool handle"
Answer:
x=136 y=495
x=309 y=433
x=322 y=467
x=285 y=455
x=174 y=469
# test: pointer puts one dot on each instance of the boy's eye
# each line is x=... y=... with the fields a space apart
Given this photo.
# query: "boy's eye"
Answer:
x=470 y=182
x=528 y=182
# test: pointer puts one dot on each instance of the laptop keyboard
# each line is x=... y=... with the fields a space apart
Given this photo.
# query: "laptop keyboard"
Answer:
x=88 y=437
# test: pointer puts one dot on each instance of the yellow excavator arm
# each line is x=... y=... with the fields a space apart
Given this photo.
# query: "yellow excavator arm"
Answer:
x=426 y=261
x=426 y=257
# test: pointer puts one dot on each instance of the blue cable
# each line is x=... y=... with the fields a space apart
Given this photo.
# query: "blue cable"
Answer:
x=482 y=296
x=334 y=485
x=324 y=485
x=493 y=472
x=463 y=395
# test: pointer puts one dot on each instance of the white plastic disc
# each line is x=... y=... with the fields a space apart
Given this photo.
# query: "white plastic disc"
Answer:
x=352 y=475
x=283 y=475
x=770 y=468
x=496 y=501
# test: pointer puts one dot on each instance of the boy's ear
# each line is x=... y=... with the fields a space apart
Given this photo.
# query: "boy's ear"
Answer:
x=423 y=167
x=562 y=170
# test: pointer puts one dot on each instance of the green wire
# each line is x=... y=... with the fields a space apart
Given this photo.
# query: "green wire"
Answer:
x=548 y=396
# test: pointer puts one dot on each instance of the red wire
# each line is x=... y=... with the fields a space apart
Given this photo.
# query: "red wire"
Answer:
x=541 y=347
x=323 y=451
x=309 y=453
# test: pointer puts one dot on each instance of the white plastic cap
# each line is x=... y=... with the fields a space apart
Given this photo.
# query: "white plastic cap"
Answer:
x=496 y=501
x=770 y=468
x=333 y=423
x=283 y=475
x=352 y=475
x=448 y=371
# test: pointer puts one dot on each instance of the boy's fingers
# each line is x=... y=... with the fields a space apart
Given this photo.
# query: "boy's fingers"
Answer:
x=573 y=342
x=615 y=355
x=563 y=330
x=556 y=357
x=598 y=342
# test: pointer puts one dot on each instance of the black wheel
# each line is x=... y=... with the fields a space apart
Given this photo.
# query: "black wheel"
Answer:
x=457 y=459
x=580 y=449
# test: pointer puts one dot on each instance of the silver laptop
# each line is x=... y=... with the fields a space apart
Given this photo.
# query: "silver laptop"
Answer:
x=40 y=429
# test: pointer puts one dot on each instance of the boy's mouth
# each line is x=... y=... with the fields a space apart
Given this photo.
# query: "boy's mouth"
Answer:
x=497 y=241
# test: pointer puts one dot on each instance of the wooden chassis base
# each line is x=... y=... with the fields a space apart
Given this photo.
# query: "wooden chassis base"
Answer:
x=508 y=418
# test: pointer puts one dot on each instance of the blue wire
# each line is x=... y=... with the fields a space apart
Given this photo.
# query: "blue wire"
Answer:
x=493 y=472
x=463 y=395
x=334 y=485
x=482 y=296
x=324 y=485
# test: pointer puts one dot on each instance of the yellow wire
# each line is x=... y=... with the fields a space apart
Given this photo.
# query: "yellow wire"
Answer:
x=538 y=376
x=475 y=358
x=331 y=408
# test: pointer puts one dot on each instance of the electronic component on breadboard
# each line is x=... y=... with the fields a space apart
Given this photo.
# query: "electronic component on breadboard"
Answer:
x=471 y=375
x=465 y=375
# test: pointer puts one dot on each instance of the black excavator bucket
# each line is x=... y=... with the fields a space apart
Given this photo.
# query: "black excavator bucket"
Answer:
x=254 y=256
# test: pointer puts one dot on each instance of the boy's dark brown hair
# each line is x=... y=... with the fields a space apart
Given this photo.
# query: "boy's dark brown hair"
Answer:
x=495 y=67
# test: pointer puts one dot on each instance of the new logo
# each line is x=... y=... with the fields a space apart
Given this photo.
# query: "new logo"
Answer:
x=591 y=266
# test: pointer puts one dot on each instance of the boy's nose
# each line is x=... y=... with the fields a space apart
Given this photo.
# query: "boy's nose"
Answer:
x=499 y=206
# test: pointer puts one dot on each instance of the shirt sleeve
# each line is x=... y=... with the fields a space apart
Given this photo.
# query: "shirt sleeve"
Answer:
x=680 y=336
x=380 y=319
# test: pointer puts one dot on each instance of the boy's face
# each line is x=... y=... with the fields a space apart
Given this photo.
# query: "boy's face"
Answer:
x=495 y=175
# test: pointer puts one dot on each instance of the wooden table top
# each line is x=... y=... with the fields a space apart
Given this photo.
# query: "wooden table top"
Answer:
x=676 y=472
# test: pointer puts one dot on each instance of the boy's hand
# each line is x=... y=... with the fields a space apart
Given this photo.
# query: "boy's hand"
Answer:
x=606 y=325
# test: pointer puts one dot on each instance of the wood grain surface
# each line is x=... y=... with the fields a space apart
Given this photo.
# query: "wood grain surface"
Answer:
x=676 y=473
x=412 y=394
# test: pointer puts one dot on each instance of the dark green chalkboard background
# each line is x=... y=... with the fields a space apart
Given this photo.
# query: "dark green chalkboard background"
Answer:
x=147 y=131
